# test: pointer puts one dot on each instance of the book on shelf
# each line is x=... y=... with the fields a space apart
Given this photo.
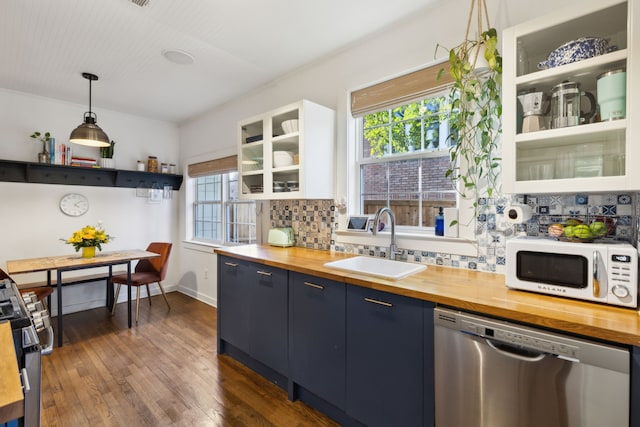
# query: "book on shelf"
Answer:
x=86 y=162
x=60 y=154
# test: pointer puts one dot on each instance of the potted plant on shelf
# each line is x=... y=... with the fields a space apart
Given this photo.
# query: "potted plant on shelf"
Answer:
x=106 y=156
x=475 y=124
x=44 y=156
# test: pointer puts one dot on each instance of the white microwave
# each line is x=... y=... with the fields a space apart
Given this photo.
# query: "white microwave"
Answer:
x=599 y=272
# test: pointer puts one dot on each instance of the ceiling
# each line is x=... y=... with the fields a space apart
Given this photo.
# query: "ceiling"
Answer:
x=237 y=45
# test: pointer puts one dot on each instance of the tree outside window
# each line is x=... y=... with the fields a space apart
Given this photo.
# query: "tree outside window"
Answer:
x=403 y=161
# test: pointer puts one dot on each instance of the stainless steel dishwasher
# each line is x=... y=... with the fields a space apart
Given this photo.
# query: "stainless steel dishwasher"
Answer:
x=493 y=373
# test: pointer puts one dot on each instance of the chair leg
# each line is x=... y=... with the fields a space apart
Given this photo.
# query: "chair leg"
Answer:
x=164 y=295
x=148 y=294
x=137 y=303
x=115 y=299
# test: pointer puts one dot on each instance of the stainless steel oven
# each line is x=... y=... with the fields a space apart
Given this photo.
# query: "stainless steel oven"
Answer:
x=30 y=326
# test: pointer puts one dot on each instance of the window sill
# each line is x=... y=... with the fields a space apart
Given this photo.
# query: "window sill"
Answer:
x=425 y=242
x=195 y=245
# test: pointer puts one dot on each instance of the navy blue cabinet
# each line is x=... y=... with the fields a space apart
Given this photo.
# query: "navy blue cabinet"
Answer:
x=268 y=324
x=385 y=358
x=253 y=314
x=317 y=326
x=234 y=296
x=361 y=356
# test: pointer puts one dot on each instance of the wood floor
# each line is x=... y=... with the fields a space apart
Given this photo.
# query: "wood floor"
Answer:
x=163 y=372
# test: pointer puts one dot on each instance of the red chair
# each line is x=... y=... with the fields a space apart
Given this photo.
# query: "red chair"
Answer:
x=152 y=270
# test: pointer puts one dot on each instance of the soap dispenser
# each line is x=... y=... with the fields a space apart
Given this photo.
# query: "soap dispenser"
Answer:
x=440 y=222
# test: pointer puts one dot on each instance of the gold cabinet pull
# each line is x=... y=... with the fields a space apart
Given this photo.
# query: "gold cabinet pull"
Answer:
x=375 y=301
x=230 y=264
x=313 y=285
x=264 y=273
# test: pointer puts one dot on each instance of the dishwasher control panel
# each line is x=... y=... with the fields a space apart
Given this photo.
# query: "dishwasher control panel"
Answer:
x=521 y=339
x=501 y=332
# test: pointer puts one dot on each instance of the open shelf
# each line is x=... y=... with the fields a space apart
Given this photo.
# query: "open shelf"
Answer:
x=43 y=173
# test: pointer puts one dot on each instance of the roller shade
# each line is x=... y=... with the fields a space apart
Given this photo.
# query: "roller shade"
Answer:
x=210 y=167
x=400 y=90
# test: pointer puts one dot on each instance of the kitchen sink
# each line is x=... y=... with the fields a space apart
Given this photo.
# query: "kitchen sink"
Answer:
x=379 y=267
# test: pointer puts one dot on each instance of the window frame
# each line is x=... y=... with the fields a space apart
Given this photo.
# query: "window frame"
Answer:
x=225 y=203
x=349 y=190
x=361 y=160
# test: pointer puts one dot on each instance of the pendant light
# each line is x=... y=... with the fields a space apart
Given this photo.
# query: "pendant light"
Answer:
x=89 y=133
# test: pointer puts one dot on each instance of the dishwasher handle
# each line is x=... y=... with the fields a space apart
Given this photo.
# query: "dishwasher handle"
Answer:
x=536 y=356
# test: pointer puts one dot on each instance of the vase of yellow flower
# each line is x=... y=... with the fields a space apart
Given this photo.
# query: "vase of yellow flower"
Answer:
x=88 y=238
x=88 y=251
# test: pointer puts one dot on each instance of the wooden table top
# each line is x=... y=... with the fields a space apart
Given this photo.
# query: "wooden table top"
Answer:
x=475 y=291
x=11 y=397
x=31 y=265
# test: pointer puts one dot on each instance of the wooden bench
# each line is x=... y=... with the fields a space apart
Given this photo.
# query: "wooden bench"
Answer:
x=42 y=290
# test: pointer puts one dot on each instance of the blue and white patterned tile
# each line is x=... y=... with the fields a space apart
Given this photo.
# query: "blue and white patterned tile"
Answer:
x=624 y=199
x=624 y=209
x=624 y=220
x=597 y=199
x=595 y=209
x=582 y=199
x=555 y=200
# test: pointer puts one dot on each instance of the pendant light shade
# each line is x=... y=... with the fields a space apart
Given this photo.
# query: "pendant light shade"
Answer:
x=89 y=133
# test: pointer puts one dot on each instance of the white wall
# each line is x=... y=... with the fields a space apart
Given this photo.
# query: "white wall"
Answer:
x=31 y=222
x=328 y=82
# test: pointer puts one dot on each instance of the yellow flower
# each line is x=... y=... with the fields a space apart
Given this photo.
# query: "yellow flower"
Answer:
x=88 y=236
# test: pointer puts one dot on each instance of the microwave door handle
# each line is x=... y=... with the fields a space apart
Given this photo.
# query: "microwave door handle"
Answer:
x=596 y=281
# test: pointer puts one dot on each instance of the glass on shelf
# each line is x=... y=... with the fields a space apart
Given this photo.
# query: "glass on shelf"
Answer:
x=597 y=158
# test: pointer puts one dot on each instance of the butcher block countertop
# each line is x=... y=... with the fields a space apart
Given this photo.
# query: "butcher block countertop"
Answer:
x=11 y=397
x=468 y=290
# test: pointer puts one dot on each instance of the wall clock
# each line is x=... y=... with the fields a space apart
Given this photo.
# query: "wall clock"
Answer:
x=74 y=204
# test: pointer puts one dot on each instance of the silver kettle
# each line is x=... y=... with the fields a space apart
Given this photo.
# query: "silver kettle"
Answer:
x=565 y=105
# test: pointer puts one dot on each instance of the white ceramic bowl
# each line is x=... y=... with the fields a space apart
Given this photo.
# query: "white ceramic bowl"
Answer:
x=282 y=159
x=289 y=126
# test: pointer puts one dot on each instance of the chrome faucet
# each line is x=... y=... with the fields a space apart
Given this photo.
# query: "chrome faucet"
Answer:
x=393 y=249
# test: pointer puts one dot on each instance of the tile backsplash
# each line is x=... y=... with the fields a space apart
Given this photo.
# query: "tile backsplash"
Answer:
x=313 y=222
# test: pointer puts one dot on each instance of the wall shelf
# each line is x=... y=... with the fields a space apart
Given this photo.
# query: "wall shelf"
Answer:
x=41 y=173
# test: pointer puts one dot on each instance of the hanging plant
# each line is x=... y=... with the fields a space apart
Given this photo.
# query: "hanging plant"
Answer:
x=475 y=124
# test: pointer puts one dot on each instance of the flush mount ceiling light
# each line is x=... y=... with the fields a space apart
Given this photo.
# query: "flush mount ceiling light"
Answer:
x=89 y=133
x=178 y=56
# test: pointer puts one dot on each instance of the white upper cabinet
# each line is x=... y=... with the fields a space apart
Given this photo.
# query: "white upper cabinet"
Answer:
x=551 y=141
x=288 y=153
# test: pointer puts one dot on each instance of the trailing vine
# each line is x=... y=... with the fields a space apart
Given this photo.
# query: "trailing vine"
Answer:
x=477 y=111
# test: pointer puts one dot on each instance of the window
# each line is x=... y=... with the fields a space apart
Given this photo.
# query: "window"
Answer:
x=403 y=157
x=218 y=215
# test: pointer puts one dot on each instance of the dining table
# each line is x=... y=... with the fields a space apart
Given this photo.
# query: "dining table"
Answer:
x=65 y=263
